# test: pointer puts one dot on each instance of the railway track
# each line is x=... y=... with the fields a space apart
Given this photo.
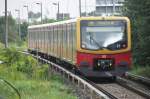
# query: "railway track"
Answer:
x=120 y=90
x=138 y=79
x=136 y=87
x=91 y=90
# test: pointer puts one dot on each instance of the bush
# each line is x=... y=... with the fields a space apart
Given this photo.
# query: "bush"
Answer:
x=41 y=72
x=18 y=62
x=30 y=78
x=143 y=71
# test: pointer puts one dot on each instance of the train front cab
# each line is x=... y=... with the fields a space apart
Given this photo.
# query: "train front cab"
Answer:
x=110 y=51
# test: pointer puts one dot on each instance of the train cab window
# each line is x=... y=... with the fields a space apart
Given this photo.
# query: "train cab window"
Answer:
x=99 y=35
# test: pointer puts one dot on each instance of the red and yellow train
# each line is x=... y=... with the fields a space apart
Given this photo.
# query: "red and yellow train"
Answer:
x=95 y=46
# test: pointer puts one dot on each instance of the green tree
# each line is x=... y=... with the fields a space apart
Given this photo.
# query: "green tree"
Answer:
x=34 y=17
x=139 y=13
x=47 y=20
x=24 y=30
x=2 y=26
x=12 y=29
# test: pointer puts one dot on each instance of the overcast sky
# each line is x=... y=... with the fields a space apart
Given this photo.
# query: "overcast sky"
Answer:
x=49 y=10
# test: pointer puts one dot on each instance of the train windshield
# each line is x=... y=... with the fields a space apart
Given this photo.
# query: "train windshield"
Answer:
x=98 y=35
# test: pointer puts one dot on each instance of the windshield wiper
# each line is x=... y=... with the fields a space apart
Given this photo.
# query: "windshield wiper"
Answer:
x=99 y=46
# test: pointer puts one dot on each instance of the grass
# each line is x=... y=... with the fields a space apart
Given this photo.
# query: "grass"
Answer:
x=31 y=80
x=22 y=45
x=143 y=71
x=54 y=88
x=1 y=45
x=37 y=89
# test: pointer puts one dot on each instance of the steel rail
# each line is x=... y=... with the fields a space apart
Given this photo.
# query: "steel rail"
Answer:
x=101 y=89
x=138 y=78
x=130 y=85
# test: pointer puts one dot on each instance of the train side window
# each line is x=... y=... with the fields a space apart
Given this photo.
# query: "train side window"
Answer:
x=43 y=32
x=52 y=41
x=67 y=40
x=30 y=40
x=38 y=38
x=49 y=40
x=33 y=38
x=71 y=41
x=74 y=41
x=45 y=39
x=35 y=33
x=64 y=42
x=29 y=37
x=55 y=40
x=46 y=42
x=61 y=39
x=41 y=37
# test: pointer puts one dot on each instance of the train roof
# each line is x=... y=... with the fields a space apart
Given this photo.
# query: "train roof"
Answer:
x=54 y=23
x=74 y=20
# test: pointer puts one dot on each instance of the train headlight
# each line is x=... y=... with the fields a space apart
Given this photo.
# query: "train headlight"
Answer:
x=110 y=64
x=105 y=63
x=83 y=46
x=99 y=64
x=124 y=45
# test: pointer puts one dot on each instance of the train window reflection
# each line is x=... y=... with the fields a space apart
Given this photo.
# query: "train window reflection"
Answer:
x=100 y=37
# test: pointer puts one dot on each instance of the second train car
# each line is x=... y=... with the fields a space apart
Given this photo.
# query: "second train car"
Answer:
x=95 y=46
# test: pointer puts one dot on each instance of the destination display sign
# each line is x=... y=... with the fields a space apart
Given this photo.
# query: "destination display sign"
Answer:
x=102 y=23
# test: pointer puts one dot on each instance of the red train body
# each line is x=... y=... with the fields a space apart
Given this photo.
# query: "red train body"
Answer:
x=121 y=63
